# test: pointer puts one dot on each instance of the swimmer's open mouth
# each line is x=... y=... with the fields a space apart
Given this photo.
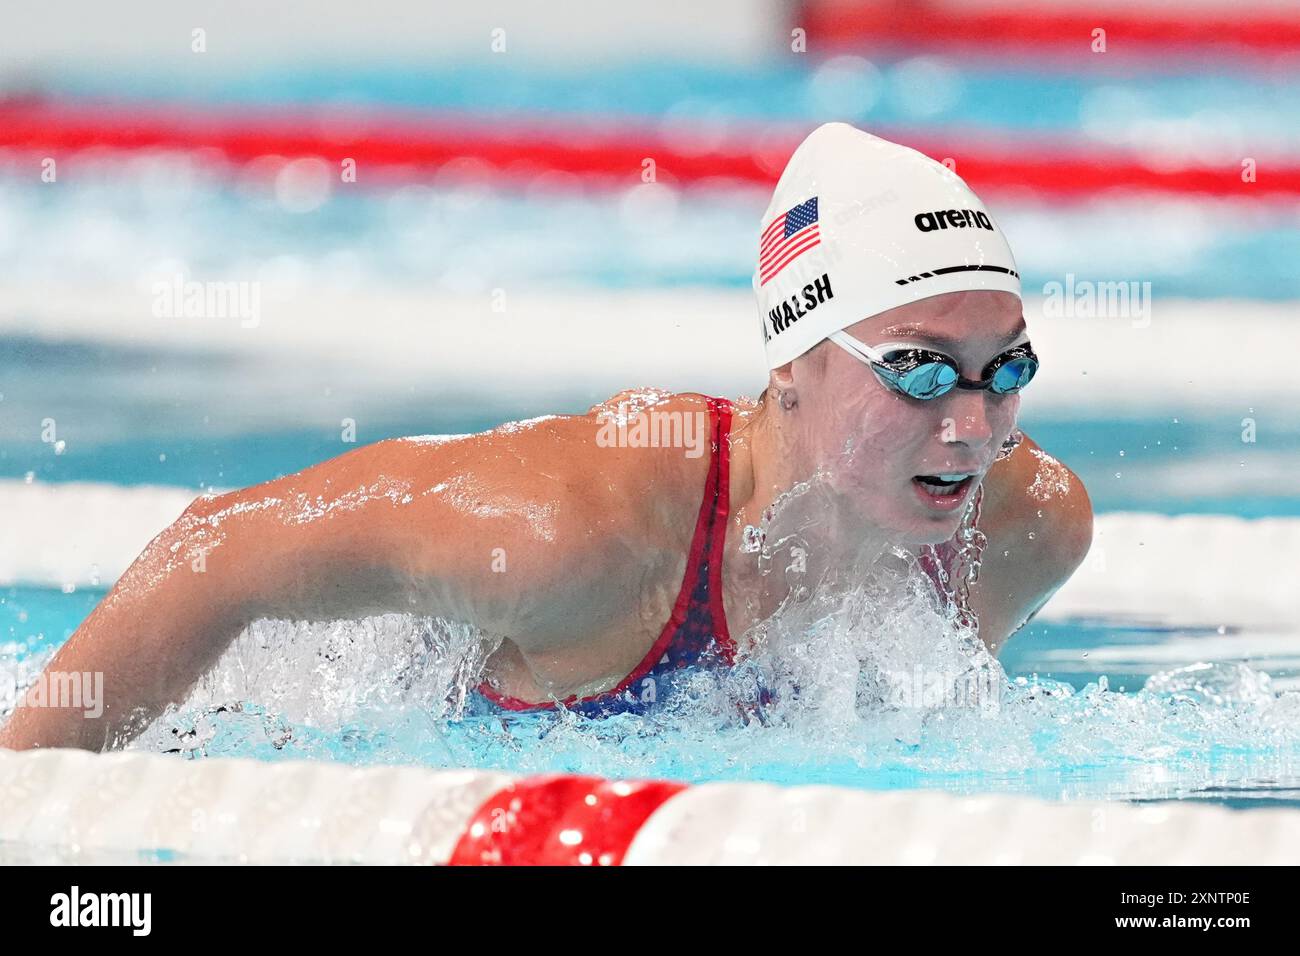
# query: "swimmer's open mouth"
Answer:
x=941 y=486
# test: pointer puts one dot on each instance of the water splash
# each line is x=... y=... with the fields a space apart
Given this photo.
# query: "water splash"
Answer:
x=882 y=687
x=376 y=689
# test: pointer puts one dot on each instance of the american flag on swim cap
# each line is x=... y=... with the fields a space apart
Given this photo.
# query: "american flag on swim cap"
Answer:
x=786 y=238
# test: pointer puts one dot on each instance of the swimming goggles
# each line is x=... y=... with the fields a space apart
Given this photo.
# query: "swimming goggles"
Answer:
x=926 y=374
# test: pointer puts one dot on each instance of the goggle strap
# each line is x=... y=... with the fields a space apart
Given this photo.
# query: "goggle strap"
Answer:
x=859 y=350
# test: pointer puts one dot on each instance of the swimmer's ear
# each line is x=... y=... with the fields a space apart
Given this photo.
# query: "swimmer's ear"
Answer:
x=782 y=377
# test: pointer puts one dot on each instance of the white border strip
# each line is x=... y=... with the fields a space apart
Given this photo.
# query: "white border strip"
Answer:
x=1187 y=570
x=65 y=806
x=761 y=824
x=697 y=339
x=62 y=805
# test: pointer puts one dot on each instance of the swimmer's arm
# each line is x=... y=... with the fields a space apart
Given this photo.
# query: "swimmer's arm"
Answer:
x=226 y=561
x=304 y=547
x=1039 y=513
x=163 y=624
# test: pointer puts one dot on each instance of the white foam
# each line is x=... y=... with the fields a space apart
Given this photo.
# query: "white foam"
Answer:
x=434 y=439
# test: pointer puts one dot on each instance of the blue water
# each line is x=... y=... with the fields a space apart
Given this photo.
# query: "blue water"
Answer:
x=1060 y=732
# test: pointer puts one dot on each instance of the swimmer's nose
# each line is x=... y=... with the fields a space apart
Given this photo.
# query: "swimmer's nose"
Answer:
x=967 y=419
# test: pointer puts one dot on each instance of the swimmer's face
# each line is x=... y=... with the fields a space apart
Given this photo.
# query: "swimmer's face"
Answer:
x=876 y=442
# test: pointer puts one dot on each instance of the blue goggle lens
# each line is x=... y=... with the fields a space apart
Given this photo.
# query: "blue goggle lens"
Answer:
x=1014 y=375
x=928 y=381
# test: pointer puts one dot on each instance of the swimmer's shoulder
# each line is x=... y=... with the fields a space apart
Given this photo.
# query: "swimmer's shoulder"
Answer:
x=634 y=465
x=653 y=448
x=671 y=480
x=620 y=508
x=573 y=517
x=1038 y=518
x=1032 y=487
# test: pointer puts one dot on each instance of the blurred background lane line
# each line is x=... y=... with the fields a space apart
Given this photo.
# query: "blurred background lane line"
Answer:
x=412 y=145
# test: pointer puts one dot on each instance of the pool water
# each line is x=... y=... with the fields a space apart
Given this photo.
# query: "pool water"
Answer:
x=1086 y=709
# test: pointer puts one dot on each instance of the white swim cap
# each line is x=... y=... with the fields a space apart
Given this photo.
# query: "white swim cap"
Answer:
x=859 y=225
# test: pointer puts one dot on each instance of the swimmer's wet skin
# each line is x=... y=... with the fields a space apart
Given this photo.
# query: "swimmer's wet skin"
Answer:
x=603 y=563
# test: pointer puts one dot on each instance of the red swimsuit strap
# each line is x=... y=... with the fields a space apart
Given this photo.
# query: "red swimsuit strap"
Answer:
x=720 y=410
x=706 y=544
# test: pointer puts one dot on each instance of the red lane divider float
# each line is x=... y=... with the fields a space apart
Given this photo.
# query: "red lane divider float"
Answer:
x=387 y=146
x=416 y=143
x=1027 y=29
x=560 y=821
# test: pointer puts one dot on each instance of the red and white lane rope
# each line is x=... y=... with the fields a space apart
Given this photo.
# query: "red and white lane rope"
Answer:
x=71 y=806
x=392 y=147
x=561 y=820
